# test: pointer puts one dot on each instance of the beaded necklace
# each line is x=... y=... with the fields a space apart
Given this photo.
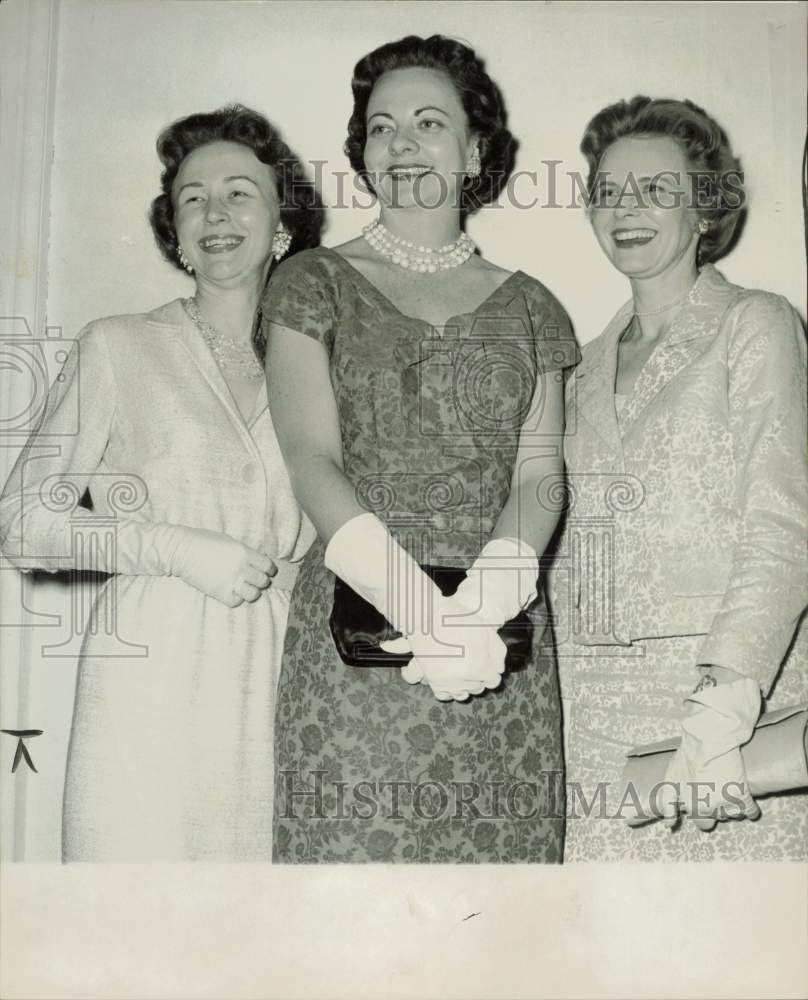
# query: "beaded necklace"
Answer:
x=232 y=357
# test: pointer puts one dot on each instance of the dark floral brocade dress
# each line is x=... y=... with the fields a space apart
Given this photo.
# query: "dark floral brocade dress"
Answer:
x=368 y=767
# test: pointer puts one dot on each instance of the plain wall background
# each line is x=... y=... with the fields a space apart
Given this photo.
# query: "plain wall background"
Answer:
x=125 y=69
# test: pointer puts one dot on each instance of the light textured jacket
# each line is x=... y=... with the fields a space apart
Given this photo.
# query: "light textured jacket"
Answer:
x=171 y=746
x=688 y=511
x=141 y=416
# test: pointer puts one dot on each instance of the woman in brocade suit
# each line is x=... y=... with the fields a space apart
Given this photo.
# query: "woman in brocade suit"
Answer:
x=170 y=755
x=686 y=454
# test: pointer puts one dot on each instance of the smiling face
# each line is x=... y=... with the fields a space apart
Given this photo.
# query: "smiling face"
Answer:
x=418 y=142
x=226 y=212
x=644 y=220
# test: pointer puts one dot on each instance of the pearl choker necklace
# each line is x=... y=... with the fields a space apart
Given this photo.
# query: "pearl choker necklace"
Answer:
x=414 y=257
x=232 y=357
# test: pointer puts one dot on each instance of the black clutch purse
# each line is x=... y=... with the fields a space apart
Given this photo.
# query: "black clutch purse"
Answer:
x=358 y=628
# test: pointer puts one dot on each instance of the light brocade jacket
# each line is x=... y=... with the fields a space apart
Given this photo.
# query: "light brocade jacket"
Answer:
x=688 y=512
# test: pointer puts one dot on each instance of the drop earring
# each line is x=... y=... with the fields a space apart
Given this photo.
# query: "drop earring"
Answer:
x=704 y=226
x=184 y=260
x=474 y=166
x=281 y=242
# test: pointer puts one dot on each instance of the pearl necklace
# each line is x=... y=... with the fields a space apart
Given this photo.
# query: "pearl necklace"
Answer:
x=231 y=356
x=414 y=257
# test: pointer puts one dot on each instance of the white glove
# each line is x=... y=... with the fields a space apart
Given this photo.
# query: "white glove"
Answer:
x=501 y=581
x=722 y=720
x=460 y=655
x=455 y=661
x=210 y=561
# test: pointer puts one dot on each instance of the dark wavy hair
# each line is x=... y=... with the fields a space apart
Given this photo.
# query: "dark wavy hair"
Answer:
x=479 y=95
x=720 y=196
x=301 y=207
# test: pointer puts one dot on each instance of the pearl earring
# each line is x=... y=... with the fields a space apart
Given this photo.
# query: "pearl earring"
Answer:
x=704 y=226
x=281 y=242
x=474 y=166
x=184 y=260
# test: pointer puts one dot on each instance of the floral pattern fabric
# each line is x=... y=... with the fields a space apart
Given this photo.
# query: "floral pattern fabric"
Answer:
x=369 y=768
x=617 y=700
x=684 y=544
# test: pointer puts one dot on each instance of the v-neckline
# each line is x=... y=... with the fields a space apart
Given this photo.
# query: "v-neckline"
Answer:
x=258 y=404
x=660 y=343
x=415 y=319
x=246 y=421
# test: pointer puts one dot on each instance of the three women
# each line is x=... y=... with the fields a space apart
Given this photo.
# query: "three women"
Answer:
x=416 y=390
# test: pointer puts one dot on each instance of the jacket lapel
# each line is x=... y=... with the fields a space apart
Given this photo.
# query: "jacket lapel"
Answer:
x=261 y=404
x=592 y=389
x=699 y=317
x=173 y=314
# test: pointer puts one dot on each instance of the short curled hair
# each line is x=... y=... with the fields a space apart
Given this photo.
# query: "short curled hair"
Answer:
x=720 y=199
x=302 y=210
x=479 y=95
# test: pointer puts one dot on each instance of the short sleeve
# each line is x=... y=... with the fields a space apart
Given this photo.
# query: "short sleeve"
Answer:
x=302 y=295
x=555 y=344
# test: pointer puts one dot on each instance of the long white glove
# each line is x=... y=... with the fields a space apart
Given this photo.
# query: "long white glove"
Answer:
x=722 y=721
x=499 y=584
x=210 y=561
x=456 y=661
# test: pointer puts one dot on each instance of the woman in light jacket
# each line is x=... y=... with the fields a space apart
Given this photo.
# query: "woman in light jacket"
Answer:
x=171 y=749
x=682 y=564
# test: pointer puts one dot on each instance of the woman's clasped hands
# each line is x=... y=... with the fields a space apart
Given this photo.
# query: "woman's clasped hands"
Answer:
x=498 y=585
x=459 y=654
x=454 y=640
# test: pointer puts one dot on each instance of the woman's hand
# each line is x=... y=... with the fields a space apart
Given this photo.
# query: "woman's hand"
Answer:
x=460 y=656
x=706 y=778
x=219 y=566
x=500 y=582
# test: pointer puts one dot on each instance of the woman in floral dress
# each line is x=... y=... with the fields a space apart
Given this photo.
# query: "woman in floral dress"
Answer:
x=417 y=394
